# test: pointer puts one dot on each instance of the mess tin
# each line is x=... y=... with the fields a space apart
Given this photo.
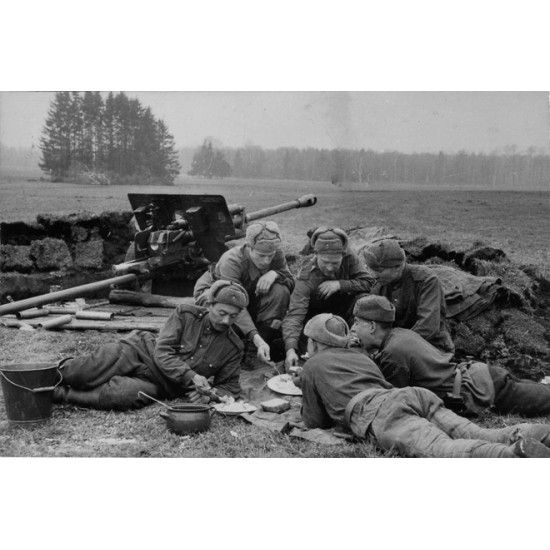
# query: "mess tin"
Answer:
x=187 y=418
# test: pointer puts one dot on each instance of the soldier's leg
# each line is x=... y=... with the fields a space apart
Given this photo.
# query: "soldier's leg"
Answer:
x=89 y=371
x=404 y=423
x=459 y=427
x=270 y=310
x=273 y=305
x=523 y=397
x=120 y=393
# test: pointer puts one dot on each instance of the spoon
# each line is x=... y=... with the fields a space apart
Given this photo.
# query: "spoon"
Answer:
x=153 y=399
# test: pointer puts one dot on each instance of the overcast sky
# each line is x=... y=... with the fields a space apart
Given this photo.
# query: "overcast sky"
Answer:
x=402 y=121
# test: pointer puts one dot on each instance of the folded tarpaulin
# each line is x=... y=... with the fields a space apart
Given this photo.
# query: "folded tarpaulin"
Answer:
x=467 y=295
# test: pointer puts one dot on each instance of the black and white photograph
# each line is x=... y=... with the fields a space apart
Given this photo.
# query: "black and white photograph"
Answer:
x=199 y=272
x=172 y=263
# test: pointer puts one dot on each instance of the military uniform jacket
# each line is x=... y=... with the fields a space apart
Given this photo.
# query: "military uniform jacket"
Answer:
x=352 y=277
x=188 y=344
x=406 y=359
x=236 y=265
x=419 y=305
x=331 y=378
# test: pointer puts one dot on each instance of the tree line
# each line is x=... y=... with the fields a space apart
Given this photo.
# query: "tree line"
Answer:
x=530 y=168
x=115 y=140
x=509 y=167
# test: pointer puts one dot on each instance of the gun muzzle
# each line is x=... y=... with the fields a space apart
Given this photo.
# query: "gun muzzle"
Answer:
x=306 y=200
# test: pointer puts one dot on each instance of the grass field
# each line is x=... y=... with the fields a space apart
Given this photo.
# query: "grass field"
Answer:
x=517 y=222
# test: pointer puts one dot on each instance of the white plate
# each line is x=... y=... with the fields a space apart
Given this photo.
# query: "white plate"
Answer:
x=283 y=384
x=234 y=408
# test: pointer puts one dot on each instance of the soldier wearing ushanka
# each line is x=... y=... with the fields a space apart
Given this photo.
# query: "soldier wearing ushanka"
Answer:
x=329 y=282
x=196 y=353
x=343 y=388
x=472 y=387
x=414 y=290
x=259 y=265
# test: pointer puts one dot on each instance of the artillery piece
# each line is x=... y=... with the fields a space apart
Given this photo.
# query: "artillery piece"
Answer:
x=178 y=237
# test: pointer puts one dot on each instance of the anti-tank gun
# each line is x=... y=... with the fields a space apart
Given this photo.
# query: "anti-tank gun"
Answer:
x=180 y=235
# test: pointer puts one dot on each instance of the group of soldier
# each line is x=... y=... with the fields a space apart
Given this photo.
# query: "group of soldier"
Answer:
x=372 y=328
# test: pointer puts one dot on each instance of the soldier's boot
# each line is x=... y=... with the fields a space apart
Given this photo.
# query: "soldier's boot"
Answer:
x=538 y=432
x=60 y=394
x=530 y=448
x=83 y=398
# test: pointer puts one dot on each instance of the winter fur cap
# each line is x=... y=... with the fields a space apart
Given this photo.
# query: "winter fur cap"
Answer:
x=375 y=308
x=264 y=237
x=328 y=329
x=383 y=254
x=228 y=292
x=329 y=240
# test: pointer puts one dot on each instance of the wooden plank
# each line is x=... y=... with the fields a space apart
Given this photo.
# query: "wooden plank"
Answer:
x=147 y=300
x=127 y=317
x=152 y=323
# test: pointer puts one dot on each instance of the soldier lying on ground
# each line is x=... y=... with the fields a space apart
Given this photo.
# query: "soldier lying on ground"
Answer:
x=330 y=282
x=414 y=290
x=342 y=386
x=259 y=265
x=406 y=359
x=196 y=351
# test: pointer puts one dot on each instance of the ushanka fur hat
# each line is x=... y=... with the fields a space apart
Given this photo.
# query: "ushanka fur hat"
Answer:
x=228 y=292
x=374 y=308
x=383 y=254
x=327 y=240
x=328 y=329
x=264 y=237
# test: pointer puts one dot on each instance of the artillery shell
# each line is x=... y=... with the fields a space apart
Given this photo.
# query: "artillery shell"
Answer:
x=54 y=323
x=94 y=315
x=31 y=313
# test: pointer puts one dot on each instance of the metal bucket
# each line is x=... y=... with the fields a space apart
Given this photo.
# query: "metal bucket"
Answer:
x=28 y=391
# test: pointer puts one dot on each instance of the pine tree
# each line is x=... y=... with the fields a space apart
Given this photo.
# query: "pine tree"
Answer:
x=108 y=154
x=92 y=130
x=202 y=160
x=117 y=138
x=55 y=141
x=168 y=163
x=220 y=167
x=209 y=162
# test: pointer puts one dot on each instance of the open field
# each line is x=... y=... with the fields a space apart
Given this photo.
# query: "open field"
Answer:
x=517 y=222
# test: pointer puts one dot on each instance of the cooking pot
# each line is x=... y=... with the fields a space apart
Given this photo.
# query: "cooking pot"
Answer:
x=187 y=418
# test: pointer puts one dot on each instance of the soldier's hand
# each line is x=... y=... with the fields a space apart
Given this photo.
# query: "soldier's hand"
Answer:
x=196 y=397
x=264 y=352
x=297 y=376
x=291 y=359
x=327 y=288
x=265 y=282
x=200 y=382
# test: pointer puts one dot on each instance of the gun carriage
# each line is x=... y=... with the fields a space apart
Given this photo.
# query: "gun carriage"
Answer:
x=177 y=238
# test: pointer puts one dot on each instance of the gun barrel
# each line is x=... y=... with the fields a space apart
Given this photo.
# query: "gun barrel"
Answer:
x=301 y=202
x=75 y=292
